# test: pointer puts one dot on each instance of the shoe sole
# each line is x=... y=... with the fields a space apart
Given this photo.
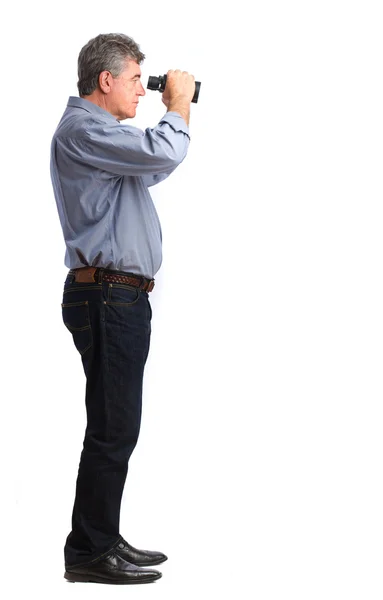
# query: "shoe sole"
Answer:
x=77 y=577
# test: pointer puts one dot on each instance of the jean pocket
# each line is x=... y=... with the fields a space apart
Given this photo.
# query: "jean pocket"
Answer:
x=76 y=319
x=122 y=295
x=70 y=288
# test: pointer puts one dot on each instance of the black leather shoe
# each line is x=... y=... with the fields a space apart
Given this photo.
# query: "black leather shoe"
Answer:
x=141 y=558
x=111 y=569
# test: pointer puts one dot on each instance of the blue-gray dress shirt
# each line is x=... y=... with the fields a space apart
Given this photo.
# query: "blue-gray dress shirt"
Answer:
x=101 y=170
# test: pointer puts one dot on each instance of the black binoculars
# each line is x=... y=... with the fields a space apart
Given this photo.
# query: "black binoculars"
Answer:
x=159 y=83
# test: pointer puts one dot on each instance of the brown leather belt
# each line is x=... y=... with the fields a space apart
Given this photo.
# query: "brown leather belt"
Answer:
x=88 y=275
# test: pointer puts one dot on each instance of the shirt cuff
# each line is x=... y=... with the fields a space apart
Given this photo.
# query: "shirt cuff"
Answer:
x=177 y=122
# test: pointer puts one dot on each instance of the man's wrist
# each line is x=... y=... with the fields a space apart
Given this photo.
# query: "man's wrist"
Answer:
x=180 y=106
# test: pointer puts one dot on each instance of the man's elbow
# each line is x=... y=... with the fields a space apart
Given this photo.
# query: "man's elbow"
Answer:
x=175 y=156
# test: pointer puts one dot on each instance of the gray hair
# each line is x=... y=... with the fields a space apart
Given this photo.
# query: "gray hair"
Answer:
x=106 y=52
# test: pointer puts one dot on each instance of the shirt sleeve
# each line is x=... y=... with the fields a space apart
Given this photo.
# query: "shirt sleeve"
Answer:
x=124 y=150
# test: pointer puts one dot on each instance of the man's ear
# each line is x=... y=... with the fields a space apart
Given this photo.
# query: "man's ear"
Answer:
x=105 y=81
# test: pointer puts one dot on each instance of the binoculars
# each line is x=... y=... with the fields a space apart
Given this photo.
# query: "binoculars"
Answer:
x=159 y=83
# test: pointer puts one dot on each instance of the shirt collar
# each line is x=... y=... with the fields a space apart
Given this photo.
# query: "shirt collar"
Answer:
x=90 y=107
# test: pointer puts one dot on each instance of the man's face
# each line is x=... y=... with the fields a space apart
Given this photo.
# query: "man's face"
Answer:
x=127 y=89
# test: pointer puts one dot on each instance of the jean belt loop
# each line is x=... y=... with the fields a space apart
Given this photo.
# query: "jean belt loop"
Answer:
x=99 y=273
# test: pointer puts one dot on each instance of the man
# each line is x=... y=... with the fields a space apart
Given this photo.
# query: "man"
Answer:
x=101 y=171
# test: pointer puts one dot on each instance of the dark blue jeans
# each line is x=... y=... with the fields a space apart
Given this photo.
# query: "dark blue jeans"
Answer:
x=110 y=324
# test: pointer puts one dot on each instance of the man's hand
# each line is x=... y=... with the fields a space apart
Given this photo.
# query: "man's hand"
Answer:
x=179 y=85
x=178 y=93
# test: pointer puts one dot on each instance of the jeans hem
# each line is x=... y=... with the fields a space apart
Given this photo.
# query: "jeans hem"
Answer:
x=94 y=560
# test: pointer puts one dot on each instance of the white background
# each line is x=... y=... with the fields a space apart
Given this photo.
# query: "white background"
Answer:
x=259 y=465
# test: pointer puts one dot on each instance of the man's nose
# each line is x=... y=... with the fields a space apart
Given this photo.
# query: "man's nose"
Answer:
x=143 y=91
